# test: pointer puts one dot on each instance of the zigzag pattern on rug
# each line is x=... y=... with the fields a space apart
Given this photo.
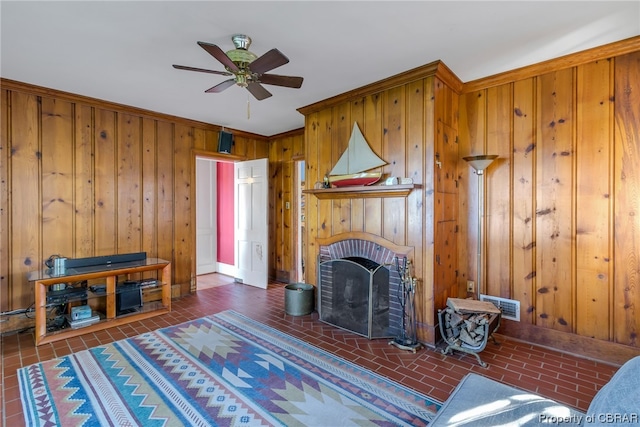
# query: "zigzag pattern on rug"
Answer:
x=225 y=369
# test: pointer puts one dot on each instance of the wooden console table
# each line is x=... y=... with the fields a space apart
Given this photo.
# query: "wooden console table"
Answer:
x=106 y=279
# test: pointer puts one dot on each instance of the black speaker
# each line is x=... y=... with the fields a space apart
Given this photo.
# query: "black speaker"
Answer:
x=225 y=141
x=105 y=260
x=128 y=297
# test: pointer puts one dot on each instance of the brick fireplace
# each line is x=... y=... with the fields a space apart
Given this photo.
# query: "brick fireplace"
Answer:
x=359 y=285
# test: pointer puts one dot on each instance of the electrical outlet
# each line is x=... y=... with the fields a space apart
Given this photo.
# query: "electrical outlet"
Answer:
x=470 y=286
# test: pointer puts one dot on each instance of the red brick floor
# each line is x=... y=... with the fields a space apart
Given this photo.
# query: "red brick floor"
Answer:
x=559 y=376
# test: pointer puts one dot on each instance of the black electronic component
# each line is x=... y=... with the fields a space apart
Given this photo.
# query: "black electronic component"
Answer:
x=98 y=289
x=225 y=141
x=65 y=295
x=128 y=297
x=104 y=260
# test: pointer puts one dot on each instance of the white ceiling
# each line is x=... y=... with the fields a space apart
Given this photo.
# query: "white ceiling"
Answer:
x=122 y=51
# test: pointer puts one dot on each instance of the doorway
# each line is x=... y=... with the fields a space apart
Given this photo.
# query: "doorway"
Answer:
x=214 y=185
x=232 y=219
x=206 y=216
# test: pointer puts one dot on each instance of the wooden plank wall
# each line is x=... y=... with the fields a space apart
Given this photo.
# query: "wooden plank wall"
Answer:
x=383 y=119
x=81 y=177
x=284 y=151
x=399 y=123
x=562 y=200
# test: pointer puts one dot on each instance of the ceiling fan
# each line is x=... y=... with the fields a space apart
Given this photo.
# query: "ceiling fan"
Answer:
x=248 y=70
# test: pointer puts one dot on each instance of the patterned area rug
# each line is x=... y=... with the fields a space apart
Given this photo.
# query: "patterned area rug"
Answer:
x=225 y=370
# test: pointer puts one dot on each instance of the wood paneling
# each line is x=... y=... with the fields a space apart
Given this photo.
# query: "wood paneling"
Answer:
x=562 y=198
x=83 y=177
x=149 y=188
x=57 y=176
x=183 y=245
x=5 y=264
x=399 y=123
x=105 y=233
x=418 y=100
x=445 y=215
x=626 y=176
x=274 y=203
x=165 y=216
x=594 y=160
x=323 y=164
x=128 y=184
x=472 y=133
x=498 y=186
x=374 y=112
x=357 y=205
x=84 y=187
x=523 y=247
x=284 y=150
x=393 y=152
x=554 y=193
x=26 y=196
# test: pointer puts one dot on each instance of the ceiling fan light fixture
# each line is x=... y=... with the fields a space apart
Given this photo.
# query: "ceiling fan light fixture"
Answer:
x=242 y=79
x=241 y=57
x=249 y=71
x=241 y=41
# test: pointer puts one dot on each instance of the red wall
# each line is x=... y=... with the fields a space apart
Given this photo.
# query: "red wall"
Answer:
x=225 y=213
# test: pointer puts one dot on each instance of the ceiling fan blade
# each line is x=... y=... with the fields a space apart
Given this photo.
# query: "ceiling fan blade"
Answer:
x=258 y=91
x=270 y=60
x=201 y=70
x=219 y=54
x=221 y=86
x=286 y=81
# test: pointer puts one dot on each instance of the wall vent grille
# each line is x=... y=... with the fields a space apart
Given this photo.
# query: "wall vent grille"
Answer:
x=510 y=308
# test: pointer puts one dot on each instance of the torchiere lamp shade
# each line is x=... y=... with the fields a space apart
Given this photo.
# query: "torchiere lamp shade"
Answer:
x=480 y=163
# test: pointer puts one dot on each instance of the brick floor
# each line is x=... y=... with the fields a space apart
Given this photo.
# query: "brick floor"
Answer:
x=567 y=378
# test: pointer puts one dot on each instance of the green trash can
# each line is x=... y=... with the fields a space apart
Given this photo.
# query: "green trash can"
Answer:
x=298 y=299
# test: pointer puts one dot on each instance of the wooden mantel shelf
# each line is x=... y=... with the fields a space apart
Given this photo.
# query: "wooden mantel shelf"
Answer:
x=363 y=191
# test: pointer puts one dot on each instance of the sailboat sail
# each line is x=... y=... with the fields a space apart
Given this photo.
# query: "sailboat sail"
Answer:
x=358 y=157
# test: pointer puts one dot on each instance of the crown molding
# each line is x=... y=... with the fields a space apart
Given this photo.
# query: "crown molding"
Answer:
x=595 y=54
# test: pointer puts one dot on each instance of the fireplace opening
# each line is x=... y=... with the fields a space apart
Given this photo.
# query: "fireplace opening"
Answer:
x=355 y=294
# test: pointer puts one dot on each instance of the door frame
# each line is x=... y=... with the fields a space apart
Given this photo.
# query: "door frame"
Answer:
x=210 y=166
x=211 y=155
x=299 y=235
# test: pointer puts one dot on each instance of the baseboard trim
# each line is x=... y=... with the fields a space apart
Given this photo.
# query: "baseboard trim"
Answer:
x=589 y=348
x=427 y=334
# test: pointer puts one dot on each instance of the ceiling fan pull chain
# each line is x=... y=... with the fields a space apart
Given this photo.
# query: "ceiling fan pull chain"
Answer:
x=248 y=108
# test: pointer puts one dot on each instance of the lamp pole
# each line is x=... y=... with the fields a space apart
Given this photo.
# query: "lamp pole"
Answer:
x=479 y=164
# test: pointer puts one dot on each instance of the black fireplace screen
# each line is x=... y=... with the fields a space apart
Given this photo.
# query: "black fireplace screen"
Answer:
x=357 y=294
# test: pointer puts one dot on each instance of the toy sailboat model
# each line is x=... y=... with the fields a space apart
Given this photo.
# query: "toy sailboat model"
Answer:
x=355 y=163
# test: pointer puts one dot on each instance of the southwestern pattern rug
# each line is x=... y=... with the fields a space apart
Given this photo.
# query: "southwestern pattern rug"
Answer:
x=220 y=370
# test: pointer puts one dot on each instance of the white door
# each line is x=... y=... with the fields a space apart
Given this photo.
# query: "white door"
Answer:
x=206 y=232
x=251 y=222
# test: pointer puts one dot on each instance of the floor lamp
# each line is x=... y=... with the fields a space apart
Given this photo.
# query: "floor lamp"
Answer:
x=480 y=163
